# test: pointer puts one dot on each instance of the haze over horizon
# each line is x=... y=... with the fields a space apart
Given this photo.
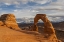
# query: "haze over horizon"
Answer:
x=54 y=9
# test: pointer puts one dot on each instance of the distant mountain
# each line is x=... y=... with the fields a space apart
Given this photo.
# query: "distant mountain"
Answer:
x=31 y=20
x=56 y=25
x=26 y=20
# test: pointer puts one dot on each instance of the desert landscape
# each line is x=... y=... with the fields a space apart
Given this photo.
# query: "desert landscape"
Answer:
x=11 y=31
x=31 y=20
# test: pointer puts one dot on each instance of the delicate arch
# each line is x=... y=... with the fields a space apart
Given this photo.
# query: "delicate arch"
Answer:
x=48 y=31
x=39 y=16
x=48 y=28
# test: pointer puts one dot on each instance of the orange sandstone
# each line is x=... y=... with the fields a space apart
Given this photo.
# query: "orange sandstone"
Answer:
x=48 y=31
x=9 y=20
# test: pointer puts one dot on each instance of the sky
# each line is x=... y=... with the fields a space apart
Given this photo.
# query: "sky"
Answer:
x=29 y=8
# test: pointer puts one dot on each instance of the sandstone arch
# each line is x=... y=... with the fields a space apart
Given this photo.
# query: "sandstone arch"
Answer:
x=47 y=23
x=48 y=27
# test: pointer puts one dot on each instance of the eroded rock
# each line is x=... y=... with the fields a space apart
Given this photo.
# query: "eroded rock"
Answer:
x=1 y=23
x=9 y=20
x=48 y=31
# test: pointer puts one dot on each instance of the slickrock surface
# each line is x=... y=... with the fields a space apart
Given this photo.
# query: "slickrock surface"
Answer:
x=9 y=35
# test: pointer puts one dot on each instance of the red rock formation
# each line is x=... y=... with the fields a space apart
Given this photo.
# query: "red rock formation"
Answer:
x=1 y=23
x=48 y=31
x=34 y=28
x=9 y=20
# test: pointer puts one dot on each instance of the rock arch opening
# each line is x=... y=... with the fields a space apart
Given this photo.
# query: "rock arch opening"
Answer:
x=48 y=27
x=47 y=24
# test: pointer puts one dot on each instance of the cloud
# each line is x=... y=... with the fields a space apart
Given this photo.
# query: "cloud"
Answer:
x=24 y=1
x=56 y=18
x=7 y=4
x=34 y=11
x=15 y=10
x=53 y=8
x=41 y=1
x=22 y=8
x=0 y=8
x=23 y=13
x=58 y=2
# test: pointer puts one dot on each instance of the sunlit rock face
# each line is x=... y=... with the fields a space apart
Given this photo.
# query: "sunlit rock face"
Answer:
x=1 y=23
x=9 y=20
x=48 y=30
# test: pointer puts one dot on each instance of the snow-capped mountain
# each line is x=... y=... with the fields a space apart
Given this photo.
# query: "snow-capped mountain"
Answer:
x=26 y=20
x=31 y=20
